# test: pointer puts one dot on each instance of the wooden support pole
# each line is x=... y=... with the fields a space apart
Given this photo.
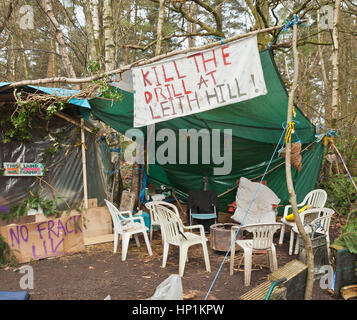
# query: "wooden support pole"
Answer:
x=305 y=237
x=69 y=119
x=84 y=166
x=177 y=200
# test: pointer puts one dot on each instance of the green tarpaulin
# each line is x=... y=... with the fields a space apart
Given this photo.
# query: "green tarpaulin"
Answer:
x=256 y=125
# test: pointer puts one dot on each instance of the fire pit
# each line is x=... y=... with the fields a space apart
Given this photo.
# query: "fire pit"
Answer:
x=221 y=236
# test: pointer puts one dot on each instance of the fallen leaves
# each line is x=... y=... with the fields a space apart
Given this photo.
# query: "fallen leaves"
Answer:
x=190 y=295
x=349 y=292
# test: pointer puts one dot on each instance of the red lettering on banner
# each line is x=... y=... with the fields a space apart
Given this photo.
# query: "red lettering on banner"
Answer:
x=172 y=106
x=225 y=55
x=202 y=80
x=162 y=95
x=178 y=73
x=164 y=109
x=175 y=94
x=145 y=77
x=211 y=74
x=168 y=90
x=184 y=88
x=164 y=72
x=157 y=78
x=148 y=96
x=180 y=103
x=152 y=114
x=194 y=56
x=204 y=61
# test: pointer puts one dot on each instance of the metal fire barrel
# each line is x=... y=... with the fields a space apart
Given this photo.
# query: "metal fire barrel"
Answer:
x=221 y=236
x=319 y=249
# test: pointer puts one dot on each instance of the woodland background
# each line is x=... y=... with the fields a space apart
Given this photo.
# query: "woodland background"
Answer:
x=75 y=38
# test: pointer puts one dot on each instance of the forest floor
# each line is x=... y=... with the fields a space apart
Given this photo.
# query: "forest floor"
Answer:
x=97 y=272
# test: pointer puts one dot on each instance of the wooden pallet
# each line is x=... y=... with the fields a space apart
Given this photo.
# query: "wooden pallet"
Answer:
x=289 y=271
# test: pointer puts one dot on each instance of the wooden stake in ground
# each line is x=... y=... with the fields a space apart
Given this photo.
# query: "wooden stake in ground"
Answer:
x=84 y=166
x=306 y=239
x=177 y=200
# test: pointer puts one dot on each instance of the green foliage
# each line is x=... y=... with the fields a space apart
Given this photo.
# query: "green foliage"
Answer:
x=21 y=119
x=6 y=256
x=57 y=144
x=20 y=122
x=94 y=130
x=109 y=92
x=348 y=238
x=93 y=66
x=106 y=90
x=341 y=192
x=53 y=108
x=34 y=201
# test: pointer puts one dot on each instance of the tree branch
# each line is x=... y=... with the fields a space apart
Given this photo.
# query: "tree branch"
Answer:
x=7 y=17
x=140 y=62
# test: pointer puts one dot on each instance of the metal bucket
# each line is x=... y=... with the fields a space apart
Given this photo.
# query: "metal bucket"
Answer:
x=320 y=251
x=221 y=236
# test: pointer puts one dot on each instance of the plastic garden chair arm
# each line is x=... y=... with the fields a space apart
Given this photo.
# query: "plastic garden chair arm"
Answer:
x=288 y=206
x=123 y=213
x=196 y=226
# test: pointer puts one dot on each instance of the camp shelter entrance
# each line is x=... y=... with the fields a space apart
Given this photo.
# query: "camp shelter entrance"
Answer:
x=257 y=126
x=56 y=144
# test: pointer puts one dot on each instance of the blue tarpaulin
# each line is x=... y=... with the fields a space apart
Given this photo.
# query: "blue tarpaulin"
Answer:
x=83 y=104
x=14 y=295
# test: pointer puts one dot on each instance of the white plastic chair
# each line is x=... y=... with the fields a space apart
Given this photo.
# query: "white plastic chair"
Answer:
x=262 y=242
x=126 y=227
x=315 y=198
x=173 y=233
x=313 y=220
x=154 y=220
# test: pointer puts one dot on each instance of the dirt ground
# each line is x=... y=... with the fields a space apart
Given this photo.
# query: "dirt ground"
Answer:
x=98 y=272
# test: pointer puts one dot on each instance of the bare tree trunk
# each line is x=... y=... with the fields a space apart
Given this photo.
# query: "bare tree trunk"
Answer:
x=133 y=57
x=127 y=37
x=13 y=61
x=335 y=65
x=10 y=9
x=89 y=24
x=322 y=62
x=137 y=63
x=47 y=7
x=109 y=45
x=260 y=11
x=159 y=27
x=96 y=29
x=306 y=239
x=191 y=27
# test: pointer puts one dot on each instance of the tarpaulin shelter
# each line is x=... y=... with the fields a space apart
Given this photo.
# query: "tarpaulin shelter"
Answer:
x=256 y=125
x=63 y=176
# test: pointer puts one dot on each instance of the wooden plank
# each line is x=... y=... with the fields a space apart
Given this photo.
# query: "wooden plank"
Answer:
x=48 y=238
x=99 y=239
x=289 y=271
x=258 y=293
x=97 y=221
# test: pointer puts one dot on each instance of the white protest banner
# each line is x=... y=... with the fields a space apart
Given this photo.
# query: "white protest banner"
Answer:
x=197 y=82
